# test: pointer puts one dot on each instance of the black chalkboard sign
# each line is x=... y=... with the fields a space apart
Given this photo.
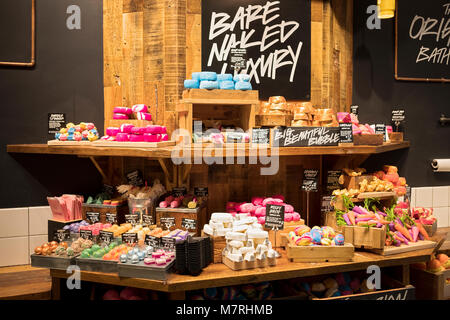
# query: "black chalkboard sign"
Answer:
x=93 y=217
x=132 y=218
x=381 y=129
x=167 y=222
x=61 y=235
x=277 y=39
x=422 y=51
x=179 y=191
x=306 y=136
x=188 y=224
x=111 y=217
x=310 y=180
x=333 y=180
x=86 y=234
x=147 y=219
x=135 y=178
x=261 y=135
x=346 y=133
x=155 y=242
x=201 y=191
x=274 y=217
x=56 y=121
x=129 y=237
x=106 y=236
x=168 y=243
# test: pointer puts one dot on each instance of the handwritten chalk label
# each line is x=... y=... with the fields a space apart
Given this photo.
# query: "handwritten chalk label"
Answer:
x=106 y=237
x=261 y=135
x=132 y=218
x=135 y=178
x=326 y=204
x=168 y=243
x=306 y=136
x=179 y=191
x=398 y=116
x=147 y=219
x=188 y=224
x=354 y=109
x=274 y=217
x=129 y=237
x=310 y=180
x=201 y=191
x=155 y=242
x=93 y=217
x=61 y=235
x=167 y=222
x=333 y=180
x=345 y=133
x=86 y=234
x=235 y=137
x=238 y=58
x=111 y=218
x=381 y=129
x=56 y=121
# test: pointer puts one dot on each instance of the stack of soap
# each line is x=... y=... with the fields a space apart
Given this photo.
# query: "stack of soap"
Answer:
x=138 y=111
x=211 y=80
x=219 y=225
x=128 y=132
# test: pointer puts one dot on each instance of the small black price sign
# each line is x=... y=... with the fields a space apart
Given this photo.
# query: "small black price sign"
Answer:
x=106 y=236
x=345 y=133
x=132 y=218
x=93 y=217
x=333 y=180
x=135 y=178
x=189 y=224
x=147 y=219
x=381 y=129
x=155 y=242
x=111 y=218
x=326 y=204
x=261 y=135
x=201 y=191
x=86 y=234
x=167 y=222
x=310 y=180
x=238 y=58
x=179 y=191
x=354 y=109
x=61 y=235
x=235 y=137
x=274 y=217
x=168 y=243
x=398 y=116
x=129 y=238
x=56 y=121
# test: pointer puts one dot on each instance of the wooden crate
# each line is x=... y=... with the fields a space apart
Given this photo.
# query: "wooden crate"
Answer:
x=198 y=214
x=230 y=106
x=431 y=286
x=288 y=227
x=412 y=246
x=367 y=238
x=102 y=209
x=320 y=253
x=368 y=139
x=396 y=136
x=244 y=265
x=218 y=244
x=431 y=229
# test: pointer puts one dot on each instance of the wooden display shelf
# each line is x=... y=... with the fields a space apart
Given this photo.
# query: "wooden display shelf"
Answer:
x=219 y=275
x=320 y=253
x=166 y=152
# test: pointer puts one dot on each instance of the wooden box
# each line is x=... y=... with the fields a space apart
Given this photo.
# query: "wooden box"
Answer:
x=244 y=265
x=320 y=253
x=288 y=227
x=431 y=229
x=368 y=139
x=412 y=246
x=330 y=220
x=229 y=107
x=362 y=237
x=107 y=212
x=431 y=286
x=218 y=244
x=396 y=136
x=198 y=214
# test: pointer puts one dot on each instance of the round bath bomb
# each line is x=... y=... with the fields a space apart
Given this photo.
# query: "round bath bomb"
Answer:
x=339 y=239
x=226 y=85
x=205 y=84
x=262 y=220
x=191 y=84
x=287 y=217
x=296 y=216
x=260 y=212
x=301 y=230
x=288 y=208
x=316 y=236
x=208 y=76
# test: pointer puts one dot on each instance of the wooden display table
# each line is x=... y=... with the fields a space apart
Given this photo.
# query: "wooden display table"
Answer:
x=219 y=275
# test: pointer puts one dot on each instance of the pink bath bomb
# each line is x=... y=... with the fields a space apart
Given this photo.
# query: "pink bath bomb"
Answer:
x=257 y=201
x=272 y=201
x=288 y=217
x=288 y=208
x=260 y=212
x=278 y=196
x=247 y=208
x=295 y=216
x=262 y=220
x=238 y=206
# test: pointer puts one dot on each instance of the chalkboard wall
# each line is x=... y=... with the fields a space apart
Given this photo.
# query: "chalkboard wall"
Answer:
x=376 y=92
x=67 y=79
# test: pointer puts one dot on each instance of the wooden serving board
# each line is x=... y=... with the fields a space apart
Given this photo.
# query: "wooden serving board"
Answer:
x=269 y=262
x=127 y=144
x=68 y=143
x=320 y=253
x=413 y=246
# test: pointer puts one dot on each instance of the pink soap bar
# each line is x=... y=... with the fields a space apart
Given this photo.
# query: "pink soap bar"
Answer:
x=122 y=137
x=154 y=129
x=136 y=138
x=143 y=116
x=112 y=131
x=137 y=130
x=123 y=110
x=126 y=128
x=149 y=261
x=164 y=137
x=104 y=138
x=156 y=255
x=163 y=129
x=139 y=108
x=160 y=262
x=120 y=116
x=148 y=137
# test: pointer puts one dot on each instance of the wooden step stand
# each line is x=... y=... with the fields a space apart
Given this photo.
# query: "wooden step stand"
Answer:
x=25 y=283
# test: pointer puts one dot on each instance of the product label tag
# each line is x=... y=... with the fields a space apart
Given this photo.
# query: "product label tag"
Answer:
x=274 y=217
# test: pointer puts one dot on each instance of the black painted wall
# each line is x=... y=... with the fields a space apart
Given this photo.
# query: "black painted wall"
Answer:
x=376 y=92
x=67 y=78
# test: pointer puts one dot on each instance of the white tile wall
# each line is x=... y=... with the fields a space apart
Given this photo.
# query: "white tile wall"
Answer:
x=13 y=222
x=442 y=215
x=424 y=197
x=437 y=198
x=14 y=251
x=38 y=220
x=440 y=197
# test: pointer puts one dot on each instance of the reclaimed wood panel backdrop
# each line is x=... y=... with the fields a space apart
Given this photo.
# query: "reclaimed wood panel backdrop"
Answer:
x=151 y=46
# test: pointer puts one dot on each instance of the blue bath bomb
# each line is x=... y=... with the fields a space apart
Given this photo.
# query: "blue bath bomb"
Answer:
x=241 y=85
x=242 y=77
x=207 y=75
x=226 y=85
x=225 y=77
x=191 y=84
x=204 y=84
